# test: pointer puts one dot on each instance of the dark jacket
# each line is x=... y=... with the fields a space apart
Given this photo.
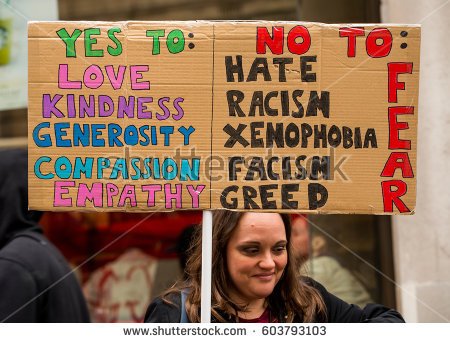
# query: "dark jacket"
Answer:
x=36 y=283
x=338 y=311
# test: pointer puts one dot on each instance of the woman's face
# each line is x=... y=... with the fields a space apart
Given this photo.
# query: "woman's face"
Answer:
x=256 y=255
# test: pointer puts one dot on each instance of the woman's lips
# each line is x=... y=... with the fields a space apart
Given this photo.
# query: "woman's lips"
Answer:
x=264 y=276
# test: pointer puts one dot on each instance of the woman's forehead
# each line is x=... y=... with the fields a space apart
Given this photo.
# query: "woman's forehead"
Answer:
x=255 y=226
x=258 y=218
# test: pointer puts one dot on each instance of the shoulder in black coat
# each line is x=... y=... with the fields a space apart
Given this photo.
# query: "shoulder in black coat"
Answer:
x=338 y=311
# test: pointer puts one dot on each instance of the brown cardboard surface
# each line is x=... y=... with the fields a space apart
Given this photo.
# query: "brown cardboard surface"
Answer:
x=247 y=117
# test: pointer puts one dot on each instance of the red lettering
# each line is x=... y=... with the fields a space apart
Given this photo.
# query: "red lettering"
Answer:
x=351 y=33
x=392 y=196
x=393 y=190
x=295 y=47
x=398 y=160
x=274 y=42
x=394 y=127
x=379 y=50
x=393 y=84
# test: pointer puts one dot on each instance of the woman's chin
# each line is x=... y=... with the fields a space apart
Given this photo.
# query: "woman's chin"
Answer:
x=262 y=292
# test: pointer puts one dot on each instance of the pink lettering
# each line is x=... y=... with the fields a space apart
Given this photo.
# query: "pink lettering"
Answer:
x=173 y=196
x=127 y=193
x=111 y=191
x=60 y=190
x=151 y=189
x=195 y=194
x=115 y=80
x=94 y=195
x=63 y=78
x=93 y=77
x=136 y=75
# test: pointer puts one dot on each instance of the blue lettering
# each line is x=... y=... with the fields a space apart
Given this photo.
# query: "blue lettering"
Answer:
x=136 y=168
x=81 y=136
x=166 y=131
x=45 y=140
x=96 y=142
x=186 y=133
x=188 y=171
x=114 y=130
x=37 y=168
x=154 y=137
x=119 y=166
x=156 y=169
x=85 y=168
x=144 y=135
x=130 y=135
x=102 y=163
x=63 y=167
x=172 y=174
x=148 y=171
x=60 y=132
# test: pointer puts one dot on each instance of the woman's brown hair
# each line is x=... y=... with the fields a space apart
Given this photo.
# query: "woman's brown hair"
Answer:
x=292 y=298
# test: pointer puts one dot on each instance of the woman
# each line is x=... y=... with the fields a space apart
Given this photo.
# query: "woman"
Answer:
x=255 y=279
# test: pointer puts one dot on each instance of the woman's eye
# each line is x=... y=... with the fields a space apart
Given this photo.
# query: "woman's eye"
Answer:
x=251 y=251
x=279 y=249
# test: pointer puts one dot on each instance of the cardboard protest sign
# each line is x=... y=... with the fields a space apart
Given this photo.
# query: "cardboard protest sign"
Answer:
x=273 y=116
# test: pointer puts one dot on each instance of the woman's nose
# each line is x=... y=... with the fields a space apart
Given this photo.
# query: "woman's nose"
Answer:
x=267 y=261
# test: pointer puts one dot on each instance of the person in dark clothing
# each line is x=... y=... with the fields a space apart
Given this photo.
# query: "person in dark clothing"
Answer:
x=255 y=278
x=36 y=282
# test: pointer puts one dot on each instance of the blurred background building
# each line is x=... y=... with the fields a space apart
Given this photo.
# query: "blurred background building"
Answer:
x=402 y=261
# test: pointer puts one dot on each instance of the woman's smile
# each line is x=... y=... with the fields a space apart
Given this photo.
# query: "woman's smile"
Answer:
x=265 y=276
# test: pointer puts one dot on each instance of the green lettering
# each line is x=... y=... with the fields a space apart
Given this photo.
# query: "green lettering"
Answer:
x=175 y=41
x=155 y=34
x=69 y=40
x=118 y=49
x=89 y=42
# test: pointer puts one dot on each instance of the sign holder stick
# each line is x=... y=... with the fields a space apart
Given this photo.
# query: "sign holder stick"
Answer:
x=206 y=267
